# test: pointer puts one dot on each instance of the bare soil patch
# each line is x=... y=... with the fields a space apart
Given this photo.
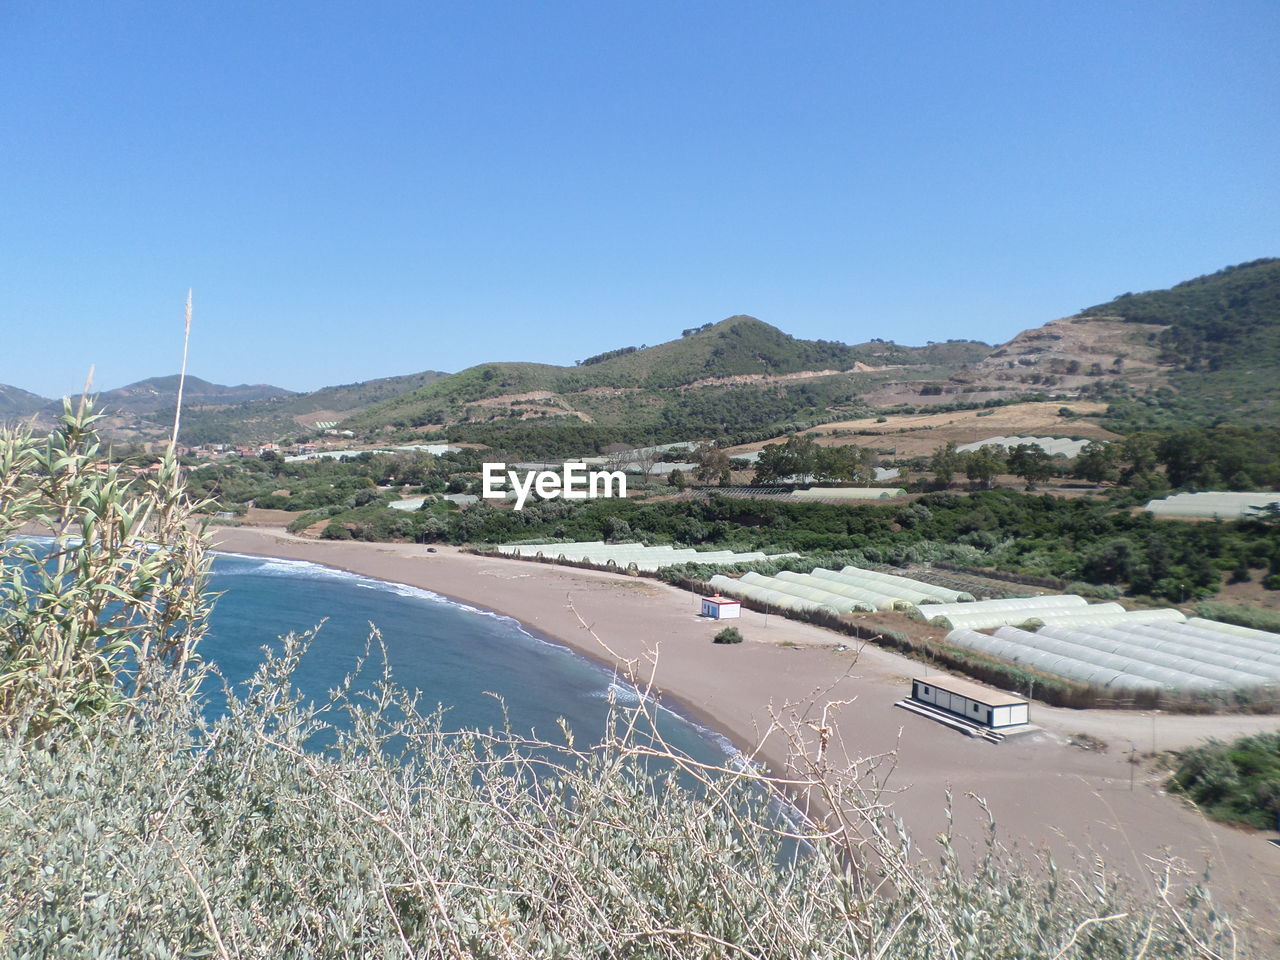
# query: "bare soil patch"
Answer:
x=919 y=434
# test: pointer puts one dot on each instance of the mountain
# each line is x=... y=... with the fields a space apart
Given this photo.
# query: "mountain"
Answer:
x=735 y=377
x=16 y=403
x=148 y=396
x=296 y=415
x=1217 y=338
x=1203 y=351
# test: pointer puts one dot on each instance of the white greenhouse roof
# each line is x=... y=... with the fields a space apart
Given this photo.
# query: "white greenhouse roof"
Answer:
x=1130 y=656
x=432 y=449
x=1054 y=446
x=848 y=493
x=1227 y=505
x=629 y=555
x=848 y=591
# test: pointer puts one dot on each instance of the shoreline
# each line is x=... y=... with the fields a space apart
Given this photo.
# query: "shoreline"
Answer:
x=1045 y=795
x=690 y=713
x=689 y=710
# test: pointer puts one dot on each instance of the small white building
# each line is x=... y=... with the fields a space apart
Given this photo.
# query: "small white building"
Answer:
x=721 y=608
x=977 y=704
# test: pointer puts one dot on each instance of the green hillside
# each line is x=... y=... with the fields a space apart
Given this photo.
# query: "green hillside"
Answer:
x=357 y=396
x=735 y=377
x=1221 y=338
x=949 y=353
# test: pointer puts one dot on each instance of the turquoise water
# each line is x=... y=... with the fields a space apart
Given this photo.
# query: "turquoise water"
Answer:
x=454 y=654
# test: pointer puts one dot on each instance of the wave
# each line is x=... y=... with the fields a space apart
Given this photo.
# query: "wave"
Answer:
x=611 y=685
x=627 y=695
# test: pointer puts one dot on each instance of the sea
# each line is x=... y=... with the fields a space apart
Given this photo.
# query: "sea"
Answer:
x=487 y=671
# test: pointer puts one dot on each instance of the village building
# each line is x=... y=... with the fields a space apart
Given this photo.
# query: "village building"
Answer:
x=721 y=608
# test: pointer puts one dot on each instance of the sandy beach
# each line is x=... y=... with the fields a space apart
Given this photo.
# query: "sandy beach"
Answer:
x=1043 y=792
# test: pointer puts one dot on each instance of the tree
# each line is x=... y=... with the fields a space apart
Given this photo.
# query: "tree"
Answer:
x=1031 y=462
x=676 y=479
x=981 y=466
x=772 y=464
x=617 y=529
x=712 y=464
x=849 y=463
x=944 y=464
x=797 y=457
x=1138 y=453
x=1095 y=463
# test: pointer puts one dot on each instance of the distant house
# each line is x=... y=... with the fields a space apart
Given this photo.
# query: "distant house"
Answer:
x=721 y=608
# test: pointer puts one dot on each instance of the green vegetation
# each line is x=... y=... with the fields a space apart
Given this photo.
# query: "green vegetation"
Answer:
x=1235 y=782
x=1041 y=536
x=952 y=353
x=1242 y=616
x=1223 y=458
x=653 y=394
x=1222 y=333
x=728 y=635
x=725 y=413
x=117 y=607
x=800 y=456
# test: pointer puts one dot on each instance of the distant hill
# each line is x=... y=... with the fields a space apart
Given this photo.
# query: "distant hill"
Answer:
x=1203 y=351
x=1218 y=336
x=731 y=378
x=349 y=398
x=948 y=353
x=16 y=403
x=292 y=415
x=147 y=396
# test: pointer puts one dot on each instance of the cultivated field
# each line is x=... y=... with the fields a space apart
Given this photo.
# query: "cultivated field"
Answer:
x=915 y=435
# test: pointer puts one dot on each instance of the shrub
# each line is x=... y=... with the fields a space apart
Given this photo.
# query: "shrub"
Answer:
x=1237 y=782
x=115 y=605
x=1240 y=615
x=728 y=635
x=276 y=832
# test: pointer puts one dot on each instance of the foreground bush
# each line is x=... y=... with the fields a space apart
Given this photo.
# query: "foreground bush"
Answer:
x=170 y=836
x=114 y=603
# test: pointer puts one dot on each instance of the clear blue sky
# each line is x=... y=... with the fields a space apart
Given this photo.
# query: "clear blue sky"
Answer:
x=358 y=190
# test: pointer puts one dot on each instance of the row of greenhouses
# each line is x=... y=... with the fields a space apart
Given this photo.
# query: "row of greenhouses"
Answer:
x=1054 y=446
x=848 y=493
x=627 y=556
x=849 y=590
x=1198 y=655
x=1210 y=504
x=1059 y=608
